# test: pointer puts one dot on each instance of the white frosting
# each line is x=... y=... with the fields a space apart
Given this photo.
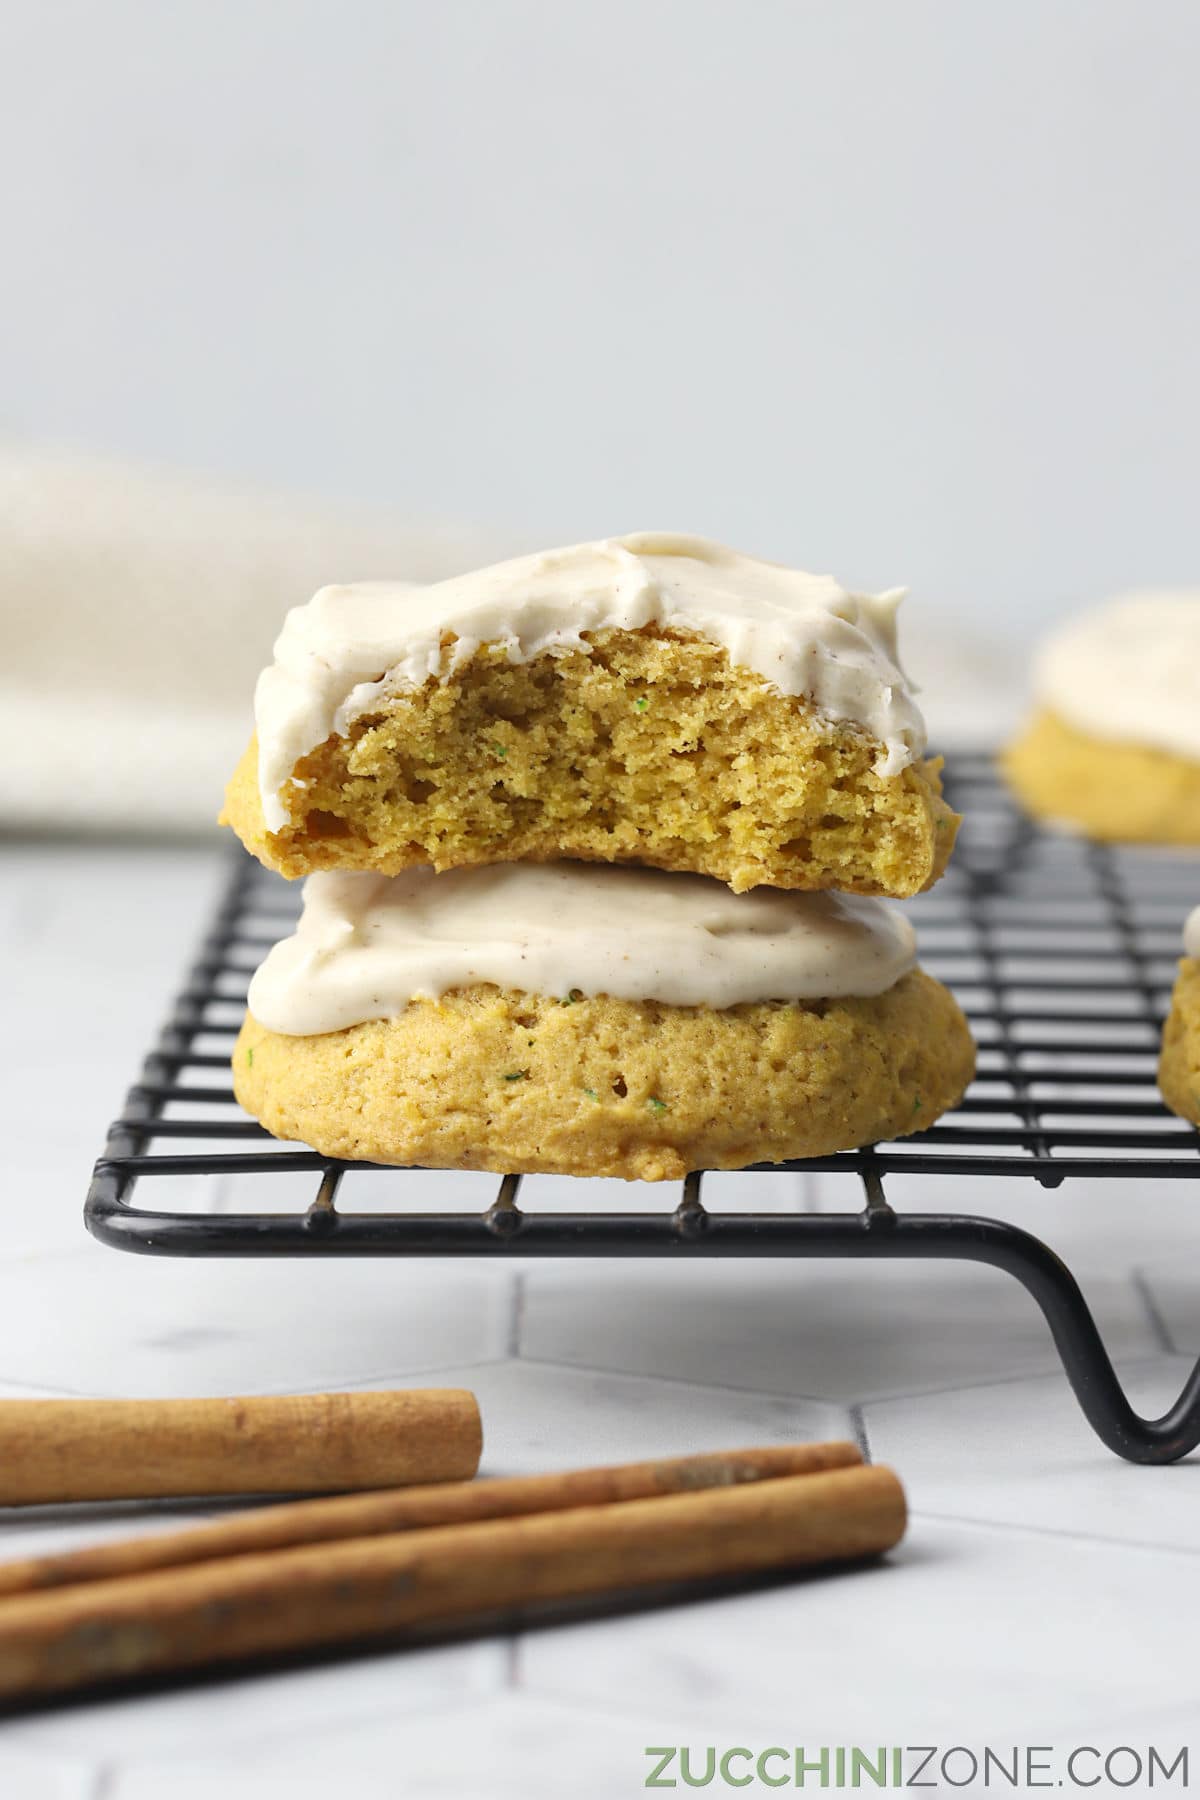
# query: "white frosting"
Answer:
x=1129 y=672
x=1191 y=933
x=350 y=648
x=368 y=944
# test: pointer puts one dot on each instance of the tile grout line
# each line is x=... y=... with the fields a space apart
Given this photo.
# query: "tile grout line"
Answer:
x=1092 y=1539
x=1054 y=1371
x=1145 y=1293
x=516 y=1316
x=1057 y=1372
x=858 y=1426
x=101 y=1785
x=512 y=1662
x=54 y=1393
x=688 y=1381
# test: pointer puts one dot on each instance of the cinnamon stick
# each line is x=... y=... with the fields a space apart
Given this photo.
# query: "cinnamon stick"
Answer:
x=288 y=1600
x=56 y=1450
x=408 y=1509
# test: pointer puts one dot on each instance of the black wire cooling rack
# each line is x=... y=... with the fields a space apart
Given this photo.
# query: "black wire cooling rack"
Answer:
x=1062 y=953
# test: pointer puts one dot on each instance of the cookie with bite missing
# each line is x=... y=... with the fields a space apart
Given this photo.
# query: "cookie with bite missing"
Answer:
x=652 y=699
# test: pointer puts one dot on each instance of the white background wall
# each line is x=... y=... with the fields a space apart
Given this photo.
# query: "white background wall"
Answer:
x=906 y=289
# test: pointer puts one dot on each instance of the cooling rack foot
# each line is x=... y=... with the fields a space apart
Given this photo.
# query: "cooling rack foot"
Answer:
x=1087 y=1363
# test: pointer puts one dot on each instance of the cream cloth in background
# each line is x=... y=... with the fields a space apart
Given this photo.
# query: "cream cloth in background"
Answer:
x=137 y=609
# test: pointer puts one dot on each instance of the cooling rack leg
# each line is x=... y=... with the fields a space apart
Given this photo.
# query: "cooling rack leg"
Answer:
x=1086 y=1361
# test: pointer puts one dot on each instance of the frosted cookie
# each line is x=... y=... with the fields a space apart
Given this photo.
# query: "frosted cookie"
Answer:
x=1114 y=745
x=1179 y=1063
x=593 y=1021
x=647 y=699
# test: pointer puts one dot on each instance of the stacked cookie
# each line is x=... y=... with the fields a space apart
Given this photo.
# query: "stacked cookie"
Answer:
x=595 y=841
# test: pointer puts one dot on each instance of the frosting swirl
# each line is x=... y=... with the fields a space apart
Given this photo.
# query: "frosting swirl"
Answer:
x=366 y=945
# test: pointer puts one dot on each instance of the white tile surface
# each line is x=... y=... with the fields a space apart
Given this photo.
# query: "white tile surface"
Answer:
x=40 y=1206
x=963 y=1632
x=1176 y=1298
x=95 y=1321
x=263 y=1708
x=514 y=1748
x=1045 y=1588
x=25 y=1775
x=538 y=1417
x=836 y=1331
x=1020 y=1453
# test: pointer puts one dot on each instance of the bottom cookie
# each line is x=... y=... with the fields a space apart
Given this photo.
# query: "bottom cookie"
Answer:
x=502 y=1080
x=1179 y=1063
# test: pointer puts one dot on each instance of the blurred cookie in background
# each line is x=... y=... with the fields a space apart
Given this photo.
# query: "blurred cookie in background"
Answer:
x=1179 y=1063
x=1113 y=745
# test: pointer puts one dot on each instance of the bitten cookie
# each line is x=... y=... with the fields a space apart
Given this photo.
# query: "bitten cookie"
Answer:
x=651 y=699
x=1114 y=747
x=1179 y=1062
x=343 y=1050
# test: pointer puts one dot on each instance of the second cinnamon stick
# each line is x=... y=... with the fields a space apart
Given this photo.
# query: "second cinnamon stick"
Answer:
x=418 y=1508
x=287 y=1600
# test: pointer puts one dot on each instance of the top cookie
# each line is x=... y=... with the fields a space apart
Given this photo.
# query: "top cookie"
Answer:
x=650 y=699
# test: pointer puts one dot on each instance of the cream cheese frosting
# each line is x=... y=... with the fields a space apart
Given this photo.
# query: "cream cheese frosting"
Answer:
x=1191 y=933
x=1129 y=672
x=351 y=648
x=366 y=945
